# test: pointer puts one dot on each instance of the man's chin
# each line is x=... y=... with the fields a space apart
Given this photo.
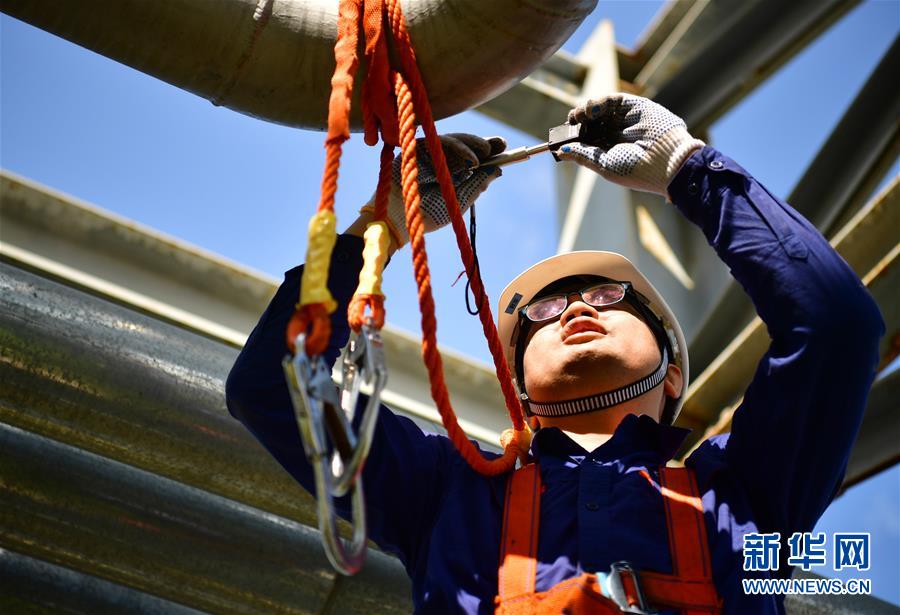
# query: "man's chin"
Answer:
x=586 y=365
x=580 y=368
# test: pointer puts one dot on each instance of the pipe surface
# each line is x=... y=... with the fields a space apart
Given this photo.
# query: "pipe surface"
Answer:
x=96 y=517
x=274 y=60
x=121 y=468
x=112 y=381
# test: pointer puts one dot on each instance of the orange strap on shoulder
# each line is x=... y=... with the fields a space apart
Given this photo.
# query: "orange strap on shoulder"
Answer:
x=690 y=586
x=518 y=544
x=684 y=518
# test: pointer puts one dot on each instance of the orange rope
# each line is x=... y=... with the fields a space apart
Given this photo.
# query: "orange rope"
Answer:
x=379 y=108
x=378 y=115
x=433 y=362
x=410 y=68
x=315 y=317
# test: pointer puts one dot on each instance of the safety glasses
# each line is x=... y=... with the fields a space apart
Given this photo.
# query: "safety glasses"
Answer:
x=599 y=295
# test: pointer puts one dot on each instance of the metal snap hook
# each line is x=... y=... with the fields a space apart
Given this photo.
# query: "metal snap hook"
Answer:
x=320 y=420
x=363 y=363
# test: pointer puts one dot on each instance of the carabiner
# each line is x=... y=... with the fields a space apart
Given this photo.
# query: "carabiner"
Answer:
x=362 y=363
x=317 y=408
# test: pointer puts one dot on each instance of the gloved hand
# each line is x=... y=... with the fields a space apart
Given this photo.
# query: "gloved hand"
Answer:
x=645 y=143
x=463 y=151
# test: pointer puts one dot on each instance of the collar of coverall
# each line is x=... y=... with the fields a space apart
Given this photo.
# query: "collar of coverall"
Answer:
x=637 y=439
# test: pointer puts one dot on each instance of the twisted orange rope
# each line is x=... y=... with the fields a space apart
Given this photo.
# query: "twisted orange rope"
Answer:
x=410 y=68
x=315 y=318
x=430 y=353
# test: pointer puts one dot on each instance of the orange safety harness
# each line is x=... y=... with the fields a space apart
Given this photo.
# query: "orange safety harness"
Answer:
x=689 y=588
x=393 y=97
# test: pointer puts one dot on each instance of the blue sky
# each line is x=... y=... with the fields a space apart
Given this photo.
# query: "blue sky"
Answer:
x=244 y=188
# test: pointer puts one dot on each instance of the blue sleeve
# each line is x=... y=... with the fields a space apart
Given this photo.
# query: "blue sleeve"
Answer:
x=403 y=475
x=792 y=435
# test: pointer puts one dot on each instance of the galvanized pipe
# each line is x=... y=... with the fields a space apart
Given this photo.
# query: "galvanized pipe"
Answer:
x=120 y=467
x=36 y=586
x=274 y=59
x=129 y=527
x=110 y=380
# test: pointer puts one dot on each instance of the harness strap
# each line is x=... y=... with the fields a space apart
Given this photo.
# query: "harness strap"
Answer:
x=690 y=587
x=691 y=595
x=684 y=517
x=687 y=539
x=518 y=544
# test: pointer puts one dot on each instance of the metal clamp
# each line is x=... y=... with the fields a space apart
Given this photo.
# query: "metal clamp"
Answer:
x=317 y=409
x=615 y=589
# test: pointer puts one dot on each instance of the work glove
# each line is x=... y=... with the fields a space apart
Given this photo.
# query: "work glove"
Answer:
x=463 y=152
x=643 y=146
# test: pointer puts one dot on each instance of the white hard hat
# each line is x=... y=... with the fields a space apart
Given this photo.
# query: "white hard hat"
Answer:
x=522 y=290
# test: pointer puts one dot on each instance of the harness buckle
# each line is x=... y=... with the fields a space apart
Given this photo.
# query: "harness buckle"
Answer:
x=618 y=593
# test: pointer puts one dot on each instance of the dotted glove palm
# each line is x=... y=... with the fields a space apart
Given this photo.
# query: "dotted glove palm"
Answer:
x=463 y=152
x=644 y=143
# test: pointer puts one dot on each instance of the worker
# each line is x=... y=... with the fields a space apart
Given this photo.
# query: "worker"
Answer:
x=601 y=363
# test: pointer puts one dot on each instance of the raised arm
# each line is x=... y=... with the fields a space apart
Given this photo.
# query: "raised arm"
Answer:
x=403 y=474
x=792 y=435
x=791 y=438
x=257 y=395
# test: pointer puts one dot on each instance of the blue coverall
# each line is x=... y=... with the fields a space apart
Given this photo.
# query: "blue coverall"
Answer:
x=776 y=472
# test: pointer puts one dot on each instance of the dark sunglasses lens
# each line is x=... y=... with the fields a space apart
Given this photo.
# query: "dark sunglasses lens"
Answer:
x=603 y=294
x=544 y=309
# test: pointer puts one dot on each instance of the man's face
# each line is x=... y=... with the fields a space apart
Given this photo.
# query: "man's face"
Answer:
x=587 y=351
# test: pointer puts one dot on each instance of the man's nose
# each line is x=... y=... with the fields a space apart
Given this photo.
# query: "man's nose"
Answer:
x=577 y=307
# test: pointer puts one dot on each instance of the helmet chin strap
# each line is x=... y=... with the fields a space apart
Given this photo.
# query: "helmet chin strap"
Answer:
x=601 y=401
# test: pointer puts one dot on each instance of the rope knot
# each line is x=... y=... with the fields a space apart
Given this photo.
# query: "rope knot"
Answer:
x=518 y=440
x=314 y=320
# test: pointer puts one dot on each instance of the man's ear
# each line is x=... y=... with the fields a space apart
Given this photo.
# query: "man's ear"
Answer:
x=673 y=382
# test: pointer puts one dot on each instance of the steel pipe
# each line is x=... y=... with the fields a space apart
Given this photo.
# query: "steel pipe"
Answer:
x=109 y=380
x=122 y=468
x=32 y=585
x=95 y=517
x=274 y=60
